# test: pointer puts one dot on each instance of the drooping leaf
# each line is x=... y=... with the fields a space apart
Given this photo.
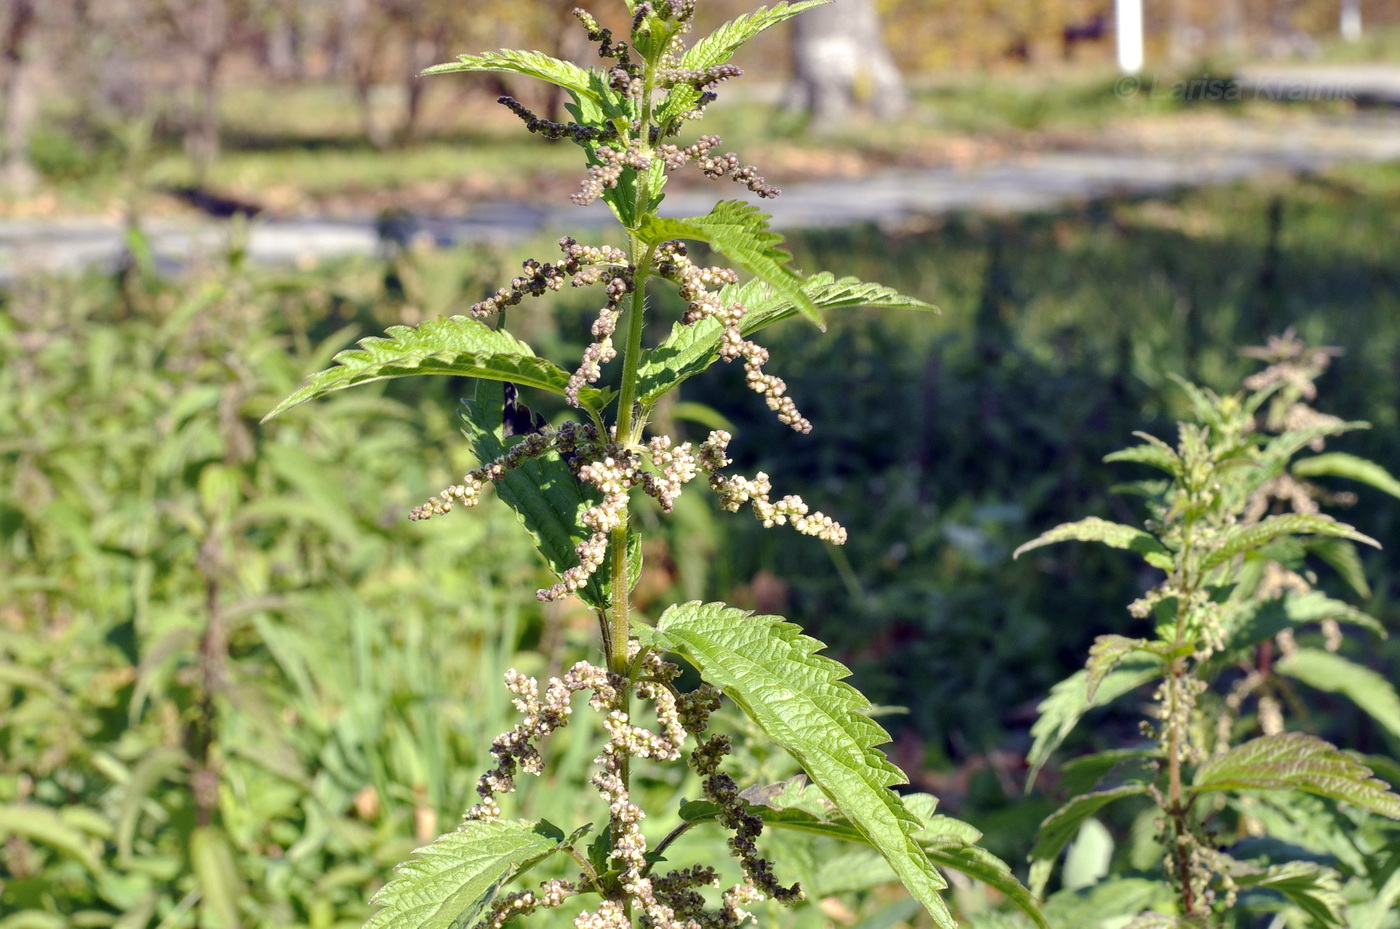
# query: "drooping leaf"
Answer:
x=1095 y=529
x=145 y=776
x=1244 y=538
x=1340 y=464
x=565 y=74
x=453 y=345
x=1344 y=559
x=1276 y=455
x=691 y=349
x=220 y=887
x=948 y=842
x=450 y=882
x=1068 y=701
x=772 y=672
x=1112 y=902
x=1372 y=913
x=740 y=232
x=41 y=824
x=1330 y=672
x=1063 y=824
x=1254 y=622
x=1297 y=761
x=547 y=499
x=1312 y=888
x=1105 y=655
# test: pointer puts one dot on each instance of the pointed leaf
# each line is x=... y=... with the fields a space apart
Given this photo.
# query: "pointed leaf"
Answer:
x=1244 y=538
x=740 y=232
x=691 y=349
x=1368 y=690
x=220 y=887
x=771 y=671
x=565 y=74
x=1063 y=824
x=1156 y=453
x=1340 y=464
x=1095 y=529
x=1068 y=701
x=1297 y=761
x=1104 y=655
x=1312 y=888
x=447 y=884
x=719 y=46
x=452 y=345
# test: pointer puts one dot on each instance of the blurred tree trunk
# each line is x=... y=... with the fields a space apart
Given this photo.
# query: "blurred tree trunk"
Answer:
x=1230 y=27
x=17 y=175
x=203 y=27
x=838 y=57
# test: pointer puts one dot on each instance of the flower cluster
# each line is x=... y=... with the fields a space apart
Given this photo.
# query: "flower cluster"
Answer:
x=727 y=165
x=697 y=287
x=737 y=490
x=584 y=264
x=517 y=750
x=553 y=130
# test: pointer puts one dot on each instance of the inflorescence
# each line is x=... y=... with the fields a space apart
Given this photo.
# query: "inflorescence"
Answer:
x=660 y=468
x=666 y=901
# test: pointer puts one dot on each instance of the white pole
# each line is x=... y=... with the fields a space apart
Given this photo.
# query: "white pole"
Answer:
x=1351 y=20
x=1128 y=25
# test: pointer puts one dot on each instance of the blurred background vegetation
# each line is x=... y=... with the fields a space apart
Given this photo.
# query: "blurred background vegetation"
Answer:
x=236 y=684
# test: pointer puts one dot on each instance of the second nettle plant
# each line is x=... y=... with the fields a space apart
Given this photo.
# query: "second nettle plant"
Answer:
x=574 y=487
x=1246 y=816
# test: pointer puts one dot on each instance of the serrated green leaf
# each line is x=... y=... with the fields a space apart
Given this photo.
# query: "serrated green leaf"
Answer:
x=1340 y=464
x=448 y=883
x=691 y=349
x=1068 y=701
x=770 y=670
x=1244 y=538
x=547 y=499
x=1063 y=824
x=1105 y=655
x=41 y=824
x=220 y=887
x=1326 y=671
x=1281 y=448
x=1095 y=529
x=565 y=74
x=1156 y=453
x=452 y=345
x=719 y=46
x=1312 y=888
x=946 y=841
x=740 y=232
x=1297 y=761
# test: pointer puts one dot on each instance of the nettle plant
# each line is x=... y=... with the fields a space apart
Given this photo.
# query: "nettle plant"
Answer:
x=1282 y=821
x=574 y=487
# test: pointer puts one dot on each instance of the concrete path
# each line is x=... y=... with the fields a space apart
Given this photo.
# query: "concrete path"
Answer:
x=1141 y=165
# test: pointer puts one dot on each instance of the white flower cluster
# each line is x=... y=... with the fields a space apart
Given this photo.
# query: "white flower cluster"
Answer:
x=517 y=749
x=737 y=490
x=696 y=286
